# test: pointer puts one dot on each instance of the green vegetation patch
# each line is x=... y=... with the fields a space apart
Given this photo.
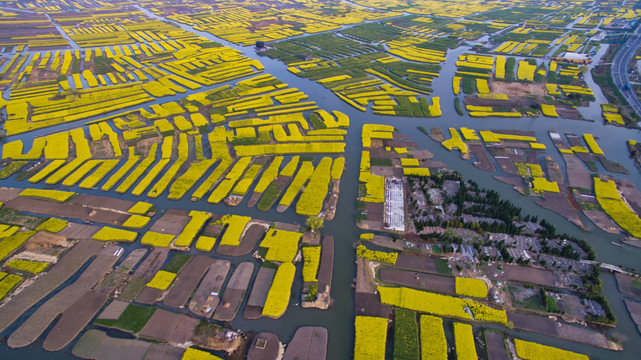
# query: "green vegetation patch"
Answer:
x=440 y=44
x=457 y=106
x=468 y=85
x=269 y=197
x=442 y=268
x=325 y=46
x=13 y=217
x=380 y=162
x=12 y=168
x=133 y=319
x=177 y=263
x=373 y=32
x=134 y=287
x=405 y=335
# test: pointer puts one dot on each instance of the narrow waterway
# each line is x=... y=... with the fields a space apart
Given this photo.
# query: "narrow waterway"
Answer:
x=72 y=43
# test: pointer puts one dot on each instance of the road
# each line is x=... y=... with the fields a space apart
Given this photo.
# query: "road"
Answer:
x=620 y=66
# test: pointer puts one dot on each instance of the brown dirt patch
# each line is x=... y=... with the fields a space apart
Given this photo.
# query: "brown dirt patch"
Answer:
x=437 y=134
x=374 y=215
x=309 y=342
x=170 y=223
x=634 y=308
x=235 y=292
x=400 y=141
x=48 y=208
x=483 y=159
x=416 y=263
x=253 y=312
x=537 y=324
x=47 y=240
x=629 y=286
x=382 y=153
x=632 y=242
x=7 y=194
x=258 y=295
x=386 y=242
x=326 y=267
x=67 y=210
x=213 y=229
x=170 y=327
x=253 y=199
x=611 y=165
x=73 y=320
x=422 y=154
x=310 y=238
x=602 y=221
x=421 y=281
x=516 y=182
x=553 y=170
x=164 y=352
x=264 y=346
x=206 y=298
x=286 y=226
x=584 y=335
x=79 y=231
x=496 y=346
x=149 y=295
x=370 y=305
x=364 y=277
x=383 y=171
x=527 y=274
x=578 y=177
x=228 y=307
x=152 y=263
x=102 y=202
x=514 y=89
x=187 y=280
x=96 y=344
x=568 y=113
x=560 y=204
x=113 y=310
x=249 y=240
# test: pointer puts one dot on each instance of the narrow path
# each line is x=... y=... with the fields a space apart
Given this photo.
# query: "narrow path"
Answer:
x=72 y=43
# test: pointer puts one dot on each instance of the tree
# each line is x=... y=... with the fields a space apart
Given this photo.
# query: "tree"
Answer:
x=314 y=223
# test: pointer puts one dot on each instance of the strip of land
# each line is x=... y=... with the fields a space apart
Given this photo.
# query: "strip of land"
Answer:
x=59 y=273
x=37 y=323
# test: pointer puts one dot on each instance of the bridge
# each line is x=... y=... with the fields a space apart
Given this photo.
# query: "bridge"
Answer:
x=610 y=267
x=618 y=36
